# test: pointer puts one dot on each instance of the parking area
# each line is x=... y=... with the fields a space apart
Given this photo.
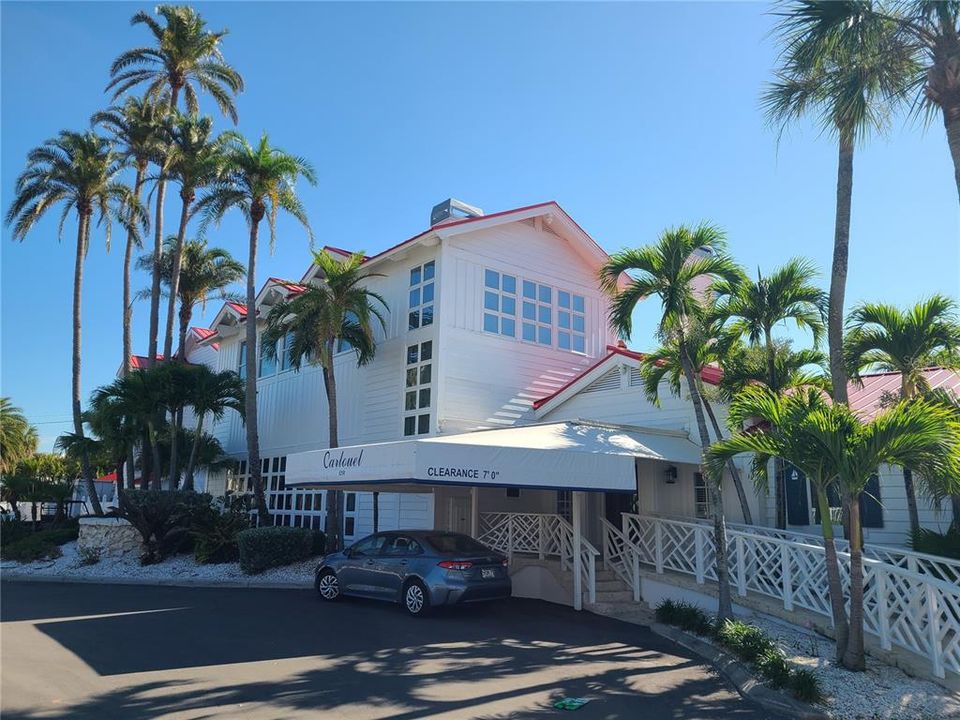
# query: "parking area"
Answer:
x=122 y=651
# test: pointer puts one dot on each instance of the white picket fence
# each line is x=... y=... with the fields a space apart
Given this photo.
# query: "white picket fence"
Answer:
x=544 y=535
x=916 y=609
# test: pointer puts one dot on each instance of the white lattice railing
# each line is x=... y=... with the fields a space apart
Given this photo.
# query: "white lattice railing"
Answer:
x=915 y=610
x=620 y=557
x=940 y=567
x=544 y=535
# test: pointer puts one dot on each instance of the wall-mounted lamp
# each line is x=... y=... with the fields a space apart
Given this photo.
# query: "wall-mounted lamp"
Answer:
x=671 y=475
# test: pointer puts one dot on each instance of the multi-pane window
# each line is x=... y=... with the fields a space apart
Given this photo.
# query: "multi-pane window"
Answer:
x=421 y=295
x=571 y=322
x=280 y=360
x=700 y=506
x=349 y=514
x=285 y=352
x=565 y=504
x=242 y=364
x=343 y=345
x=268 y=362
x=537 y=313
x=500 y=303
x=417 y=389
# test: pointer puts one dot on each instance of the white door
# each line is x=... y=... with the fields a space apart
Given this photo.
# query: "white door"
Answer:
x=458 y=514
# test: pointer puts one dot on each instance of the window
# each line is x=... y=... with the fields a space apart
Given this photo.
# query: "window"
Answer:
x=421 y=295
x=401 y=546
x=700 y=506
x=349 y=319
x=537 y=313
x=370 y=546
x=513 y=492
x=268 y=363
x=242 y=364
x=417 y=392
x=565 y=504
x=285 y=351
x=571 y=322
x=871 y=509
x=499 y=303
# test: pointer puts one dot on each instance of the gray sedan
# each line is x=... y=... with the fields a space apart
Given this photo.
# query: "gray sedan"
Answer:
x=420 y=569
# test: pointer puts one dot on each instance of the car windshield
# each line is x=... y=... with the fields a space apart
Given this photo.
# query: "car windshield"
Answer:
x=450 y=543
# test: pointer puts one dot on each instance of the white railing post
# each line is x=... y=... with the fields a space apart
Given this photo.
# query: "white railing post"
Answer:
x=577 y=556
x=786 y=576
x=592 y=578
x=933 y=626
x=741 y=569
x=541 y=534
x=698 y=554
x=883 y=606
x=635 y=576
x=658 y=546
x=510 y=539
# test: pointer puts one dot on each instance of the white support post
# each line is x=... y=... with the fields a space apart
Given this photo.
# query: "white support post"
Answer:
x=577 y=558
x=635 y=557
x=510 y=539
x=592 y=578
x=541 y=534
x=658 y=545
x=698 y=554
x=475 y=511
x=786 y=576
x=933 y=626
x=883 y=607
x=741 y=568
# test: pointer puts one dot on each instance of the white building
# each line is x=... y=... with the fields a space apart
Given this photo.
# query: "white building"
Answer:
x=495 y=321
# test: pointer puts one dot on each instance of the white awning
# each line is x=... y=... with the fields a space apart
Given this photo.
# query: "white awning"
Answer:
x=563 y=455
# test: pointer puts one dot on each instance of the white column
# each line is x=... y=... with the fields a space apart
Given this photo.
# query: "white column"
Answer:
x=577 y=499
x=475 y=511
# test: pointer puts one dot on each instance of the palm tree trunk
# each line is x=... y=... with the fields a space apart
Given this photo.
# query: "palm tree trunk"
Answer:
x=779 y=479
x=155 y=450
x=334 y=524
x=127 y=302
x=731 y=466
x=253 y=438
x=186 y=195
x=174 y=474
x=853 y=656
x=838 y=276
x=155 y=278
x=911 y=492
x=83 y=236
x=119 y=480
x=146 y=461
x=725 y=603
x=841 y=627
x=192 y=461
x=951 y=121
x=131 y=469
x=186 y=314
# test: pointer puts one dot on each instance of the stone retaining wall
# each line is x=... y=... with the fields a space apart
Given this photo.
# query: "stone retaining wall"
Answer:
x=111 y=537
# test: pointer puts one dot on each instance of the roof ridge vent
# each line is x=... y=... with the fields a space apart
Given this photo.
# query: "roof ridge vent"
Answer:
x=452 y=209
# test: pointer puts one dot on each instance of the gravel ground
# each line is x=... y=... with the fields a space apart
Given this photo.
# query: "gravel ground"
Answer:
x=881 y=693
x=177 y=568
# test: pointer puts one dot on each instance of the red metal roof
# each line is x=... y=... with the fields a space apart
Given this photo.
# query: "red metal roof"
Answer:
x=203 y=334
x=241 y=309
x=140 y=362
x=710 y=373
x=294 y=288
x=868 y=399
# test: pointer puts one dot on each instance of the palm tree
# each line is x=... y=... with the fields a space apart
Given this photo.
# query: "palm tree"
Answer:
x=186 y=58
x=78 y=171
x=117 y=434
x=671 y=269
x=193 y=160
x=140 y=397
x=18 y=438
x=664 y=362
x=831 y=445
x=136 y=127
x=752 y=309
x=884 y=337
x=176 y=381
x=259 y=182
x=848 y=75
x=338 y=313
x=213 y=394
x=204 y=272
x=746 y=365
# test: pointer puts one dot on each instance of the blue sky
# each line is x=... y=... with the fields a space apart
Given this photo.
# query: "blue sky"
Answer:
x=634 y=117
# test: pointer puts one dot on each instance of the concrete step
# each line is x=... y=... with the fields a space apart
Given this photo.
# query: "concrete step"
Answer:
x=609 y=584
x=636 y=613
x=609 y=596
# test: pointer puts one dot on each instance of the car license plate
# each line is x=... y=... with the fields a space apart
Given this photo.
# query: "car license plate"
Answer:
x=487 y=573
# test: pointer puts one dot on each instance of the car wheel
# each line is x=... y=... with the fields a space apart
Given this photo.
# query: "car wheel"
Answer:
x=416 y=600
x=328 y=585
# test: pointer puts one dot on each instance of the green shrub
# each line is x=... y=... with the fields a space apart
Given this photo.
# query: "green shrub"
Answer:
x=773 y=666
x=319 y=543
x=13 y=530
x=267 y=547
x=685 y=616
x=805 y=685
x=215 y=535
x=33 y=547
x=163 y=518
x=747 y=642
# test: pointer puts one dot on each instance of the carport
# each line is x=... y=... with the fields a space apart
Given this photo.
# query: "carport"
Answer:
x=577 y=457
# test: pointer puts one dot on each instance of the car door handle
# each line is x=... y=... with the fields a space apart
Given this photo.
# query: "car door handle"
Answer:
x=403 y=562
x=369 y=562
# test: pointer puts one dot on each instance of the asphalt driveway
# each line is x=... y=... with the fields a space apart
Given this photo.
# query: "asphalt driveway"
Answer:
x=121 y=651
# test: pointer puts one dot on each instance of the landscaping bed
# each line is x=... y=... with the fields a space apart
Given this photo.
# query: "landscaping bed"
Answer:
x=882 y=692
x=174 y=569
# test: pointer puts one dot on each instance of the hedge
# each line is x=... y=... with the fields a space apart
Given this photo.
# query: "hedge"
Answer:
x=267 y=547
x=41 y=545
